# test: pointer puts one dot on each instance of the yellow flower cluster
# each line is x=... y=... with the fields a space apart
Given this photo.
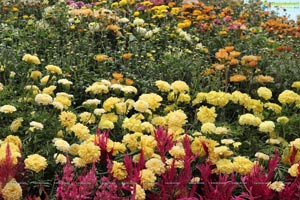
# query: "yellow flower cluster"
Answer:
x=119 y=170
x=31 y=59
x=148 y=179
x=249 y=119
x=89 y=152
x=12 y=190
x=35 y=162
x=206 y=114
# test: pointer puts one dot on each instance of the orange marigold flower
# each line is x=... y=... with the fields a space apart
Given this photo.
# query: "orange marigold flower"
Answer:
x=229 y=48
x=171 y=4
x=233 y=61
x=221 y=54
x=117 y=76
x=237 y=78
x=264 y=79
x=113 y=28
x=128 y=81
x=102 y=57
x=127 y=55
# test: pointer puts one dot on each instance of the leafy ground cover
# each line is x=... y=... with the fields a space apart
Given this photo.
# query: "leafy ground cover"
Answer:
x=148 y=100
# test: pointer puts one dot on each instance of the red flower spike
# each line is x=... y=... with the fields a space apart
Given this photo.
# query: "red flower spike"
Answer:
x=164 y=142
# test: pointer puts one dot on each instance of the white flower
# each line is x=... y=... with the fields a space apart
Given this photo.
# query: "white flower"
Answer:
x=138 y=21
x=7 y=109
x=64 y=81
x=36 y=125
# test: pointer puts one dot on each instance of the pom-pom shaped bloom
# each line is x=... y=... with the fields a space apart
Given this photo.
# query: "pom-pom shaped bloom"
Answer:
x=264 y=93
x=180 y=87
x=206 y=114
x=266 y=127
x=7 y=109
x=35 y=162
x=249 y=119
x=31 y=59
x=12 y=190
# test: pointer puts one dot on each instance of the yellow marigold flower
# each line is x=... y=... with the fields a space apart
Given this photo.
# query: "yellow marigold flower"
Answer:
x=132 y=124
x=64 y=99
x=49 y=90
x=287 y=97
x=14 y=150
x=224 y=166
x=87 y=118
x=264 y=92
x=97 y=88
x=177 y=163
x=201 y=96
x=277 y=186
x=148 y=179
x=240 y=98
x=206 y=114
x=221 y=131
x=132 y=140
x=12 y=190
x=274 y=107
x=78 y=162
x=227 y=141
x=67 y=119
x=242 y=165
x=218 y=98
x=46 y=79
x=61 y=145
x=35 y=75
x=177 y=151
x=262 y=156
x=249 y=119
x=156 y=166
x=163 y=86
x=119 y=170
x=296 y=143
x=81 y=131
x=180 y=87
x=158 y=121
x=74 y=149
x=91 y=102
x=296 y=84
x=109 y=103
x=197 y=147
x=254 y=105
x=236 y=144
x=60 y=159
x=43 y=99
x=14 y=140
x=176 y=118
x=208 y=127
x=147 y=144
x=89 y=152
x=31 y=59
x=141 y=105
x=282 y=120
x=115 y=147
x=7 y=109
x=16 y=124
x=36 y=125
x=223 y=151
x=139 y=193
x=183 y=98
x=293 y=170
x=35 y=162
x=53 y=69
x=152 y=99
x=266 y=127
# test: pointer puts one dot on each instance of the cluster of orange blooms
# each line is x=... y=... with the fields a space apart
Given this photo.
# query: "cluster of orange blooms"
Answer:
x=282 y=27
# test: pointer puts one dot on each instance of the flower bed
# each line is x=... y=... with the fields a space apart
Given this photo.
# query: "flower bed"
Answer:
x=148 y=100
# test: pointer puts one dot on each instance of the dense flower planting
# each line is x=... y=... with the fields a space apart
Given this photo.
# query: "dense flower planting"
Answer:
x=148 y=100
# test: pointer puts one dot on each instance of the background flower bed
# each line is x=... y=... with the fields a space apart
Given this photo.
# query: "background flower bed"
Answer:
x=188 y=95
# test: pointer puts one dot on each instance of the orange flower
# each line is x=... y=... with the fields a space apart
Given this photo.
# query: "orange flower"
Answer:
x=117 y=76
x=233 y=61
x=218 y=66
x=234 y=54
x=83 y=11
x=127 y=56
x=171 y=4
x=253 y=63
x=221 y=54
x=102 y=57
x=237 y=78
x=113 y=28
x=229 y=48
x=128 y=81
x=264 y=79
